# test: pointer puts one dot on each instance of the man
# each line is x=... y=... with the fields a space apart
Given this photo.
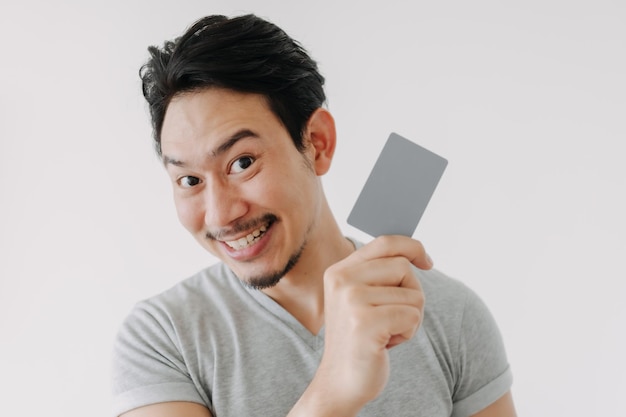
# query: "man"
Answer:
x=297 y=319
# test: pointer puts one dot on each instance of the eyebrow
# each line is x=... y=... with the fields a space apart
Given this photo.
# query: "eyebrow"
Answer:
x=222 y=148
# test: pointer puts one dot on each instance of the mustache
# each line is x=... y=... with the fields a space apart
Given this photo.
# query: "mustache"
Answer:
x=242 y=226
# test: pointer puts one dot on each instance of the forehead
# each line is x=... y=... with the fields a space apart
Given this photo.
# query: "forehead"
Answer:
x=209 y=115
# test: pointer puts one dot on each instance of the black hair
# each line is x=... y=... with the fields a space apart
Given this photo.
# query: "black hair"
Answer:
x=245 y=54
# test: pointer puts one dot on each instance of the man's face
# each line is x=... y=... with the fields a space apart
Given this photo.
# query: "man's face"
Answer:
x=241 y=188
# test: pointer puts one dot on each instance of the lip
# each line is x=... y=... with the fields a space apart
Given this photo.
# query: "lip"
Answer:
x=251 y=252
x=255 y=234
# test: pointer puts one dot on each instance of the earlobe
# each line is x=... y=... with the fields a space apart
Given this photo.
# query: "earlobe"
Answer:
x=322 y=137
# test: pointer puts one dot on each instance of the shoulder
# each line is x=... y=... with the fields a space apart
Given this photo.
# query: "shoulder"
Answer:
x=453 y=311
x=448 y=300
x=466 y=340
x=154 y=352
x=445 y=305
x=451 y=303
x=201 y=289
x=442 y=290
x=158 y=332
x=204 y=294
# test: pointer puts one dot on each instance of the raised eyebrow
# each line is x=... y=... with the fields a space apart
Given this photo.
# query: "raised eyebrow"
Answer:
x=230 y=142
x=171 y=161
x=225 y=146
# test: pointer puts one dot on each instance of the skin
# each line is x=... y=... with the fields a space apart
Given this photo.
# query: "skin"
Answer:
x=233 y=166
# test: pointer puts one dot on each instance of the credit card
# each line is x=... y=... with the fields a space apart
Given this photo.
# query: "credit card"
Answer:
x=398 y=189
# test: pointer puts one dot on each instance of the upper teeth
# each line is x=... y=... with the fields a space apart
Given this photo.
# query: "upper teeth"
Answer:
x=248 y=240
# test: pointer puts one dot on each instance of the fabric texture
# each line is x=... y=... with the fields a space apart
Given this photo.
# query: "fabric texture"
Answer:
x=213 y=341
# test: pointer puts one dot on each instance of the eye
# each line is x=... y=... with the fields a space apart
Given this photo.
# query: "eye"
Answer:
x=188 y=181
x=241 y=164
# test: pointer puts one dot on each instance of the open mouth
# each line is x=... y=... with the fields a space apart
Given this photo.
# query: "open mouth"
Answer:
x=249 y=239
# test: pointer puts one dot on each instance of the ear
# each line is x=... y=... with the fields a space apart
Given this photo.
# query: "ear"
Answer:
x=322 y=138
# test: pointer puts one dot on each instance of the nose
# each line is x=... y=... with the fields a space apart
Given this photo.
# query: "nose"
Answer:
x=223 y=204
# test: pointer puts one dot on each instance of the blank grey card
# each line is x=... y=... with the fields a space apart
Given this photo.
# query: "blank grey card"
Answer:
x=398 y=189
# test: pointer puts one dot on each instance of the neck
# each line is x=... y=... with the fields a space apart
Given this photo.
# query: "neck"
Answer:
x=301 y=291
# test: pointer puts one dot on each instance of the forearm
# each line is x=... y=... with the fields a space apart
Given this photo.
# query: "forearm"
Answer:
x=372 y=302
x=321 y=400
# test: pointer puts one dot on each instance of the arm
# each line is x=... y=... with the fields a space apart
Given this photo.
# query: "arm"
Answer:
x=503 y=407
x=170 y=409
x=372 y=302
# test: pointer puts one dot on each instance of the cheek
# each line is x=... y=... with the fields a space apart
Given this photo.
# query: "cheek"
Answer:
x=295 y=186
x=190 y=214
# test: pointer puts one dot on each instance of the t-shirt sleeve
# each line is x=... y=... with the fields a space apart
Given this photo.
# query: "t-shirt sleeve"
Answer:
x=147 y=366
x=484 y=374
x=481 y=362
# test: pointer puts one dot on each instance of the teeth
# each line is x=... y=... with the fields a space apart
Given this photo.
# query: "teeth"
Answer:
x=250 y=239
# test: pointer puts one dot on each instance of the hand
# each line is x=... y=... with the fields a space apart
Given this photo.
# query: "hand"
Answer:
x=372 y=302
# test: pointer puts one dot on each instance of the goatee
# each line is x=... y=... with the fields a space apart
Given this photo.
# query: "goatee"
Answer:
x=270 y=280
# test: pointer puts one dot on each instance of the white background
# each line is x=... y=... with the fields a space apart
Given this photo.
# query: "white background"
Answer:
x=526 y=99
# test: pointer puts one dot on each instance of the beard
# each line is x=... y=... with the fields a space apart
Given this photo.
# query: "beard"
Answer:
x=269 y=280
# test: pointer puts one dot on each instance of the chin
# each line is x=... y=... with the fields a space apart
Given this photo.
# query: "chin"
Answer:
x=270 y=279
x=263 y=282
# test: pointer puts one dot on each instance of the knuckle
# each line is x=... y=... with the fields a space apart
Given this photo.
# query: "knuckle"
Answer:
x=418 y=298
x=352 y=295
x=334 y=277
x=384 y=240
x=416 y=316
x=359 y=321
x=412 y=320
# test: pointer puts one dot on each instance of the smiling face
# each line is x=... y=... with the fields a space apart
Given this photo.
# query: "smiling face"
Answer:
x=241 y=187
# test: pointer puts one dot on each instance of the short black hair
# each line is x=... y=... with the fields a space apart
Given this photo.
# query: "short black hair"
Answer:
x=245 y=54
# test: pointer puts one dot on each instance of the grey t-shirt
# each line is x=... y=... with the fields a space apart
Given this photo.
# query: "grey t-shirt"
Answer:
x=213 y=341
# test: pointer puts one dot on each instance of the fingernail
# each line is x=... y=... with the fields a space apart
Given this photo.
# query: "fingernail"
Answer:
x=429 y=260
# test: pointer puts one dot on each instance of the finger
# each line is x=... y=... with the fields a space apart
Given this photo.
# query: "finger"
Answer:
x=394 y=271
x=377 y=296
x=396 y=245
x=396 y=322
